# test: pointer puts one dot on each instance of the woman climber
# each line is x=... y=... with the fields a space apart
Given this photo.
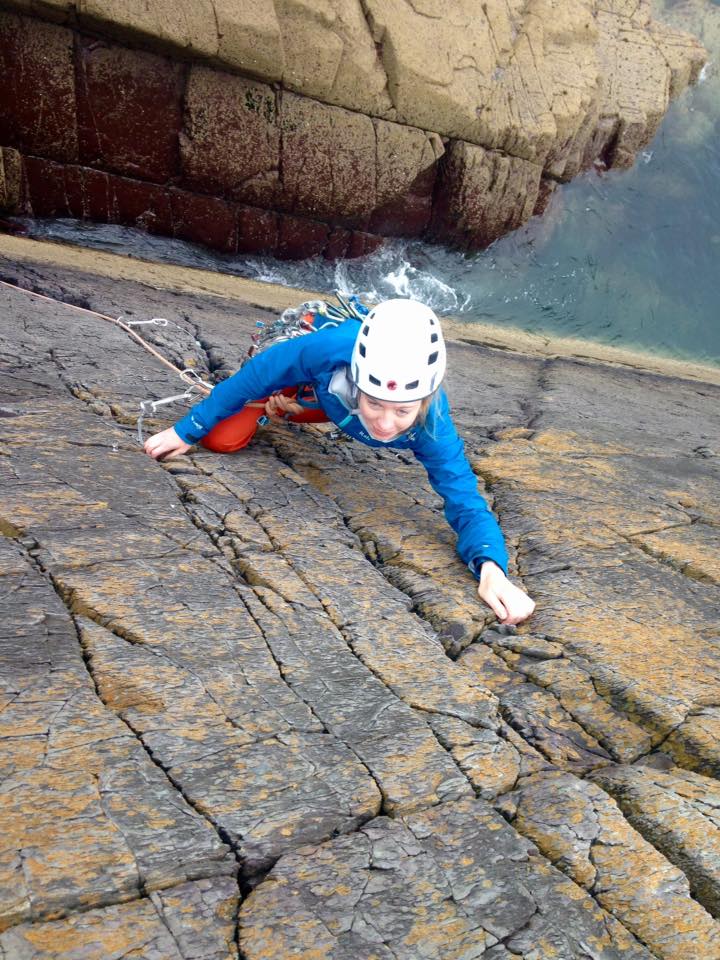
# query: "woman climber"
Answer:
x=378 y=379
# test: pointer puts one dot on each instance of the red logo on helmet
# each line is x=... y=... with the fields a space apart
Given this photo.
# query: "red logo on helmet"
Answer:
x=391 y=385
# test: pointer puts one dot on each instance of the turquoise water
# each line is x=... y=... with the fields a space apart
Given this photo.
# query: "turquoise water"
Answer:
x=628 y=258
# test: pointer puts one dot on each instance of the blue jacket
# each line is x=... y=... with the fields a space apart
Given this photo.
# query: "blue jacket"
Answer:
x=312 y=359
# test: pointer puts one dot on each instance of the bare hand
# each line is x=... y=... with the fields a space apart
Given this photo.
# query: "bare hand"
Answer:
x=165 y=445
x=278 y=406
x=509 y=603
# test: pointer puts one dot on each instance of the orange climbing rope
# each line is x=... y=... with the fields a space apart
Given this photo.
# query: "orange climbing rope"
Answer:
x=188 y=375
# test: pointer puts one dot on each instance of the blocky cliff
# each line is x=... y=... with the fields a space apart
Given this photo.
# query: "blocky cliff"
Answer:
x=300 y=127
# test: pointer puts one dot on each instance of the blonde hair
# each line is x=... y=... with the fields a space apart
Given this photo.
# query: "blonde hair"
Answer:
x=425 y=407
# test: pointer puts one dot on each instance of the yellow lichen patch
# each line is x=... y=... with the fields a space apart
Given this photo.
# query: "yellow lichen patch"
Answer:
x=42 y=503
x=576 y=692
x=652 y=670
x=576 y=492
x=514 y=433
x=581 y=830
x=491 y=763
x=694 y=550
x=411 y=779
x=676 y=811
x=449 y=933
x=695 y=743
x=562 y=443
x=270 y=570
x=683 y=498
x=202 y=910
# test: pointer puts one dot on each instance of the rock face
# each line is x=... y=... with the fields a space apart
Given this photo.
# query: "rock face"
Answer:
x=253 y=700
x=301 y=127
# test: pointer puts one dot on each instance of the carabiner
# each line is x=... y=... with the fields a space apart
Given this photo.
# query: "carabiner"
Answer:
x=156 y=321
x=149 y=407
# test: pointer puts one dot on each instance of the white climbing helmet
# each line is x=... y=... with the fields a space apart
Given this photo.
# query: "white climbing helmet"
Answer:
x=399 y=354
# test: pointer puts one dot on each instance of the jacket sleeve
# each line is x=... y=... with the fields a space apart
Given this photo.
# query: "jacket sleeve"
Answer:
x=285 y=364
x=442 y=453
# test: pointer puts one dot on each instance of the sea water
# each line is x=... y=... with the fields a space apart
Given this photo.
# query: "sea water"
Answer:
x=628 y=258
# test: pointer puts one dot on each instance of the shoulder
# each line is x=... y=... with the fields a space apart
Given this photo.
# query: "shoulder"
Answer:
x=332 y=344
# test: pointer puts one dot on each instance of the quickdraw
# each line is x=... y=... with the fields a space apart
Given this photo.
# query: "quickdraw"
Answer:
x=293 y=322
x=118 y=322
x=309 y=317
x=149 y=407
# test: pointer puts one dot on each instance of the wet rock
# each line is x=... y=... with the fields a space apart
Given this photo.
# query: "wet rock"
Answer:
x=230 y=141
x=257 y=230
x=152 y=90
x=328 y=161
x=206 y=220
x=299 y=238
x=10 y=180
x=38 y=111
x=482 y=195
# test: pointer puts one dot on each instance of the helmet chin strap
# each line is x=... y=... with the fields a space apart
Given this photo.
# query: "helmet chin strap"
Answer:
x=362 y=421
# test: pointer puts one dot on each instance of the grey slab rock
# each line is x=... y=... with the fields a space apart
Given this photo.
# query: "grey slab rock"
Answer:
x=455 y=881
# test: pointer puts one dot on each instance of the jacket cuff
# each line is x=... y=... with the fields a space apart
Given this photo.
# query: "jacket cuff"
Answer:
x=190 y=429
x=476 y=563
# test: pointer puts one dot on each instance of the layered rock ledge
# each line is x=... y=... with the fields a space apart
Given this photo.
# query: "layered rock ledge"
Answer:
x=300 y=128
x=251 y=707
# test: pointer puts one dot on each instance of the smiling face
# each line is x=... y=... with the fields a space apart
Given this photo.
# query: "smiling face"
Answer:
x=385 y=420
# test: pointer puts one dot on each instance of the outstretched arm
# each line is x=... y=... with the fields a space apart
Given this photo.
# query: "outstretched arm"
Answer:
x=480 y=541
x=285 y=364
